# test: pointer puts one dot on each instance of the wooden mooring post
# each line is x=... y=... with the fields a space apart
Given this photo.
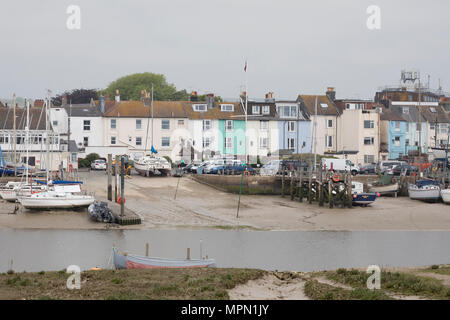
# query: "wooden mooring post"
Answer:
x=320 y=189
x=292 y=184
x=116 y=178
x=109 y=195
x=283 y=171
x=300 y=191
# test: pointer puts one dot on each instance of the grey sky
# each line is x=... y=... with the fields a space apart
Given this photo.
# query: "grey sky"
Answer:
x=292 y=47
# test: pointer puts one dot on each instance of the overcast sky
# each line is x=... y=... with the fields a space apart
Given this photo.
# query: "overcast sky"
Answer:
x=292 y=47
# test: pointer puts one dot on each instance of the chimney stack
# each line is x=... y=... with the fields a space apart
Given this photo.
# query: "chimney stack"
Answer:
x=331 y=93
x=194 y=96
x=210 y=100
x=102 y=103
x=117 y=97
x=270 y=97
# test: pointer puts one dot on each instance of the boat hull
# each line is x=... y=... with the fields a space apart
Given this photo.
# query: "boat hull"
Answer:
x=54 y=203
x=364 y=198
x=122 y=261
x=445 y=194
x=386 y=189
x=432 y=194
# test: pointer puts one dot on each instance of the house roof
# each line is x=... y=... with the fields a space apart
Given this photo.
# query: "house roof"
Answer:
x=137 y=109
x=388 y=115
x=412 y=115
x=82 y=110
x=439 y=116
x=308 y=101
x=216 y=112
x=37 y=118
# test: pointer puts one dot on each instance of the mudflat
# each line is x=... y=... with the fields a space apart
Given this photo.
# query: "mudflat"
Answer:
x=200 y=206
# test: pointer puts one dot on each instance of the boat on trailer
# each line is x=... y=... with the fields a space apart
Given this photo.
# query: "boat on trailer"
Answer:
x=150 y=165
x=425 y=190
x=132 y=261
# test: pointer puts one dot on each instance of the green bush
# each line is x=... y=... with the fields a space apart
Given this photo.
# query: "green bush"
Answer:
x=86 y=162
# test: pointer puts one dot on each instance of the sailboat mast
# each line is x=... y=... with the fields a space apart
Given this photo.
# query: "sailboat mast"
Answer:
x=152 y=115
x=47 y=142
x=15 y=134
x=315 y=133
x=27 y=139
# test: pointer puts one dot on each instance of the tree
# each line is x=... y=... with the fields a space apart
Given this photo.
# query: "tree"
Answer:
x=131 y=86
x=76 y=96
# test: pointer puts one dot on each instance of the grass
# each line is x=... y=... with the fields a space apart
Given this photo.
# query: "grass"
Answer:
x=202 y=283
x=322 y=291
x=440 y=270
x=395 y=282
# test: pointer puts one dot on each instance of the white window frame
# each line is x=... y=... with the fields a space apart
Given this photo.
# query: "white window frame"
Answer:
x=227 y=127
x=200 y=107
x=85 y=141
x=371 y=141
x=371 y=124
x=140 y=124
x=227 y=107
x=180 y=122
x=265 y=109
x=140 y=144
x=327 y=140
x=328 y=123
x=228 y=143
x=113 y=127
x=88 y=125
x=165 y=121
x=255 y=109
x=206 y=142
x=291 y=143
x=263 y=142
x=165 y=139
x=115 y=140
x=264 y=125
x=207 y=124
x=291 y=126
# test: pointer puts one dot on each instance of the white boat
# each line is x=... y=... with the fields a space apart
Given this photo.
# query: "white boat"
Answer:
x=389 y=188
x=11 y=194
x=426 y=190
x=68 y=196
x=150 y=165
x=445 y=194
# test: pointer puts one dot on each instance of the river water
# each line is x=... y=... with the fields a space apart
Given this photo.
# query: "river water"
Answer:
x=36 y=250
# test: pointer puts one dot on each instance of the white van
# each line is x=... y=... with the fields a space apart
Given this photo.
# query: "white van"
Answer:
x=340 y=165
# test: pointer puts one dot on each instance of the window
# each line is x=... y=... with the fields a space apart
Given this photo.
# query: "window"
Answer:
x=255 y=109
x=165 y=141
x=113 y=140
x=200 y=107
x=397 y=125
x=206 y=125
x=405 y=110
x=228 y=143
x=113 y=123
x=229 y=125
x=397 y=141
x=368 y=124
x=181 y=122
x=291 y=126
x=85 y=141
x=4 y=139
x=291 y=144
x=418 y=126
x=369 y=140
x=227 y=107
x=87 y=125
x=73 y=157
x=328 y=141
x=407 y=127
x=263 y=142
x=139 y=141
x=165 y=124
x=369 y=158
x=287 y=111
x=324 y=105
x=138 y=124
x=407 y=142
x=264 y=125
x=265 y=110
x=329 y=123
x=433 y=109
x=55 y=123
x=206 y=142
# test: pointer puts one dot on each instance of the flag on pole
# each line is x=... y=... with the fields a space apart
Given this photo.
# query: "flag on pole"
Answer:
x=245 y=67
x=154 y=150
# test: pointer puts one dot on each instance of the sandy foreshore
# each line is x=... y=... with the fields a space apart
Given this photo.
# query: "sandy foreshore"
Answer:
x=200 y=206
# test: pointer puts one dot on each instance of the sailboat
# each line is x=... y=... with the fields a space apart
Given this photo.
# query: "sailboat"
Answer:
x=55 y=196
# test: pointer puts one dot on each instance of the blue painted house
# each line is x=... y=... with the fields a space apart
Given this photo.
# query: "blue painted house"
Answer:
x=393 y=135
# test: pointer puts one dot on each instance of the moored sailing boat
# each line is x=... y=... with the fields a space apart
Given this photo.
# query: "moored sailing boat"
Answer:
x=426 y=190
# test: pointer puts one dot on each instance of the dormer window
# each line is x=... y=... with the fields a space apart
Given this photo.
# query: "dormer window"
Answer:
x=200 y=107
x=405 y=110
x=227 y=107
x=255 y=109
x=432 y=109
x=324 y=105
x=265 y=110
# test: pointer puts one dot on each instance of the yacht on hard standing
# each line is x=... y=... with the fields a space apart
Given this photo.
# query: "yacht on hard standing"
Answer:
x=56 y=196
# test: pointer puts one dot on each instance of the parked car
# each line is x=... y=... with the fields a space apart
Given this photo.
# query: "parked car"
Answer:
x=191 y=166
x=239 y=168
x=98 y=164
x=368 y=169
x=386 y=166
x=340 y=165
x=404 y=169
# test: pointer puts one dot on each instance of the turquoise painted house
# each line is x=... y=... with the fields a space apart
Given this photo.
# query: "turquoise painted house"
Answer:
x=231 y=140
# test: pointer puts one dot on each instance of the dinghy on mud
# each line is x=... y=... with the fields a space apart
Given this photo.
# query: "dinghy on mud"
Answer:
x=131 y=261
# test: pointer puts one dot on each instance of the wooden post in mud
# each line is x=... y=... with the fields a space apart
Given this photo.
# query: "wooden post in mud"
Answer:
x=146 y=249
x=188 y=254
x=310 y=186
x=240 y=192
x=349 y=190
x=300 y=191
x=109 y=177
x=320 y=189
x=122 y=187
x=116 y=178
x=330 y=193
x=292 y=185
x=282 y=181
